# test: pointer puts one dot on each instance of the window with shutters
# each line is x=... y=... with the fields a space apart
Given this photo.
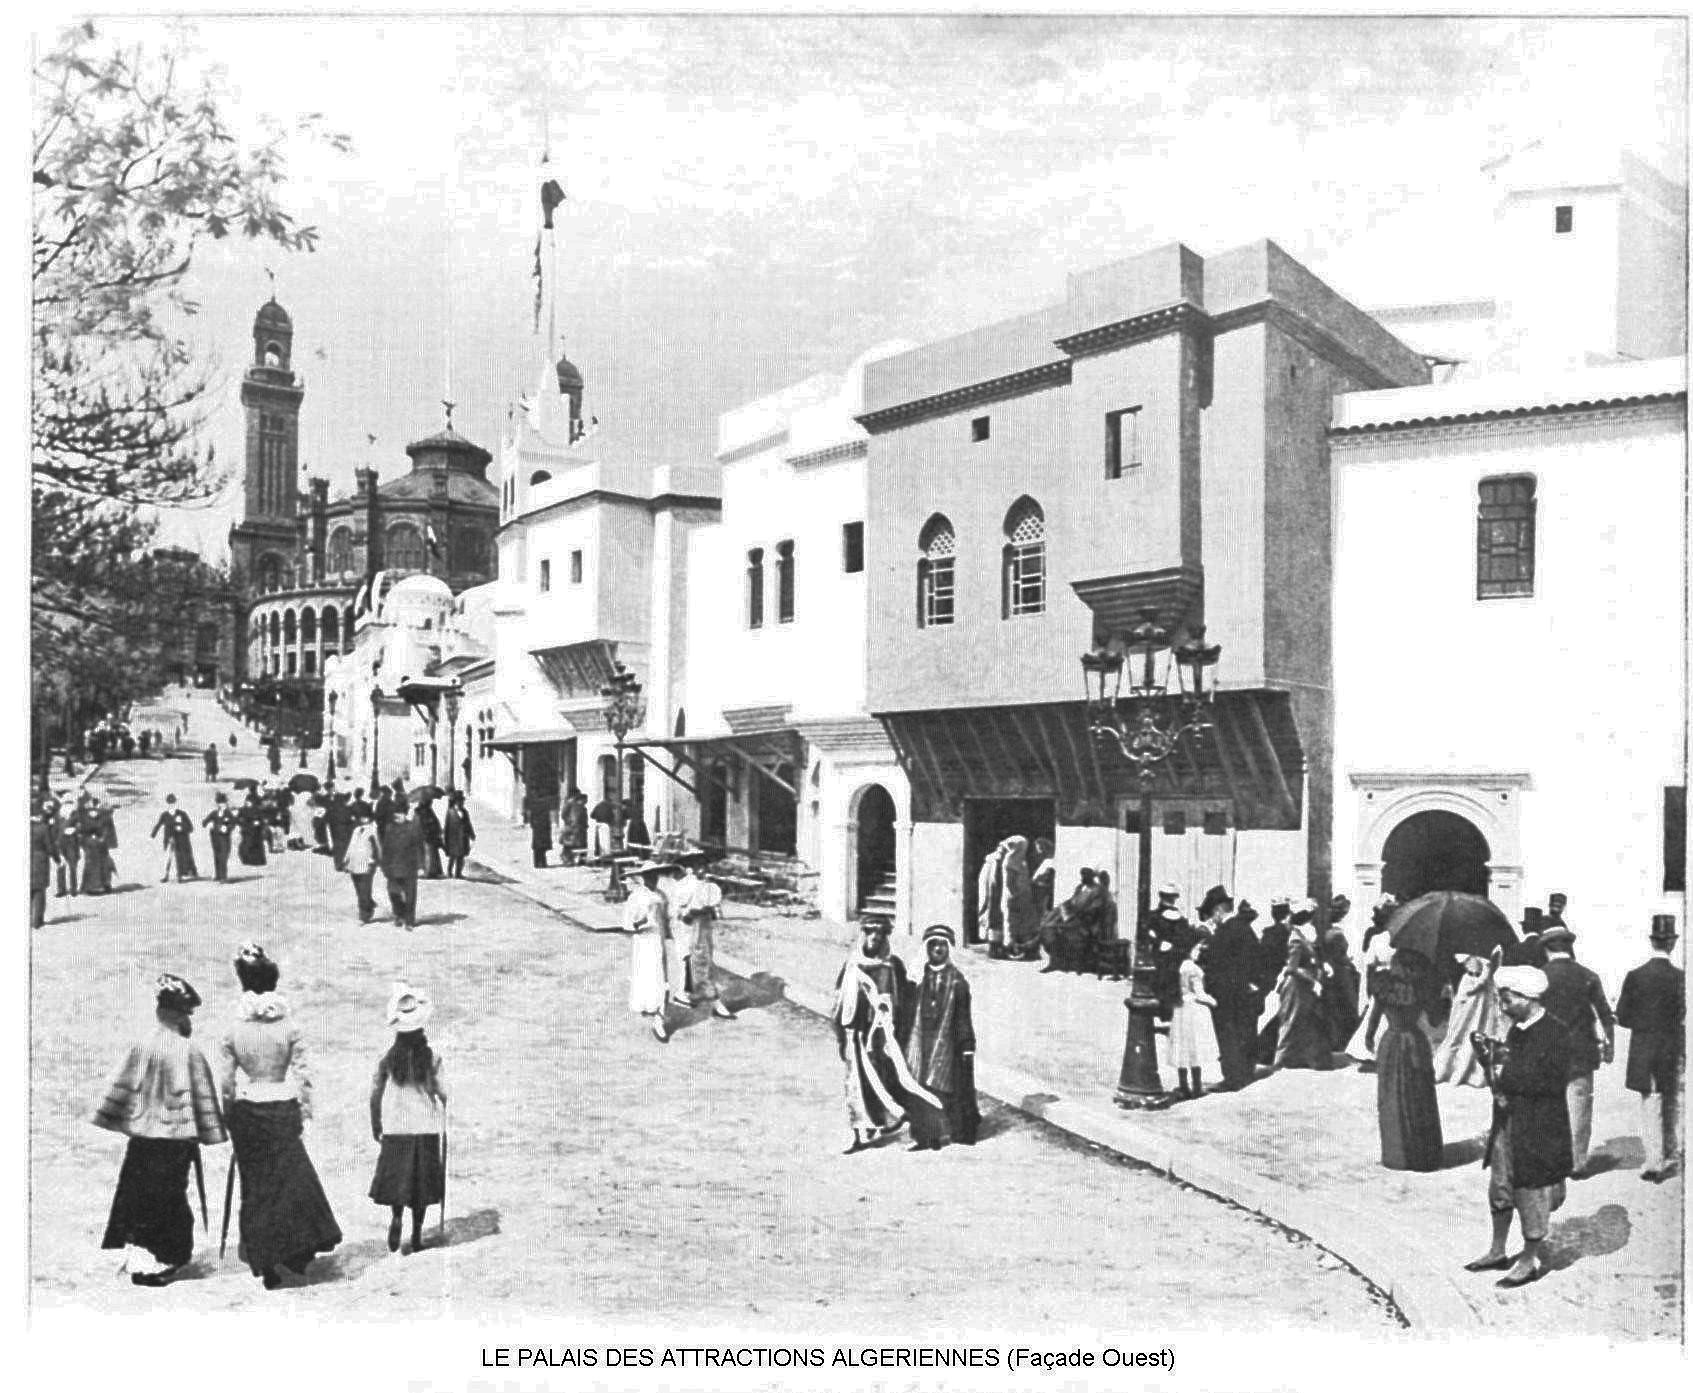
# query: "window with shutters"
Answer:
x=1024 y=563
x=1505 y=537
x=938 y=545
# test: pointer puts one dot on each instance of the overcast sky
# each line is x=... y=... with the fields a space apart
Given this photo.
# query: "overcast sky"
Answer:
x=752 y=200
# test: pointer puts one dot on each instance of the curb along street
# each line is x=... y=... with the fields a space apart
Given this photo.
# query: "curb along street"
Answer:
x=1429 y=1300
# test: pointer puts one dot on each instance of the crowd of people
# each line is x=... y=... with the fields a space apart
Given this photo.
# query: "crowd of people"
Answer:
x=169 y=1100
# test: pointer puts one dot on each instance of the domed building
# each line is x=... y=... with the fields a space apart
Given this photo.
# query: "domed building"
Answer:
x=310 y=566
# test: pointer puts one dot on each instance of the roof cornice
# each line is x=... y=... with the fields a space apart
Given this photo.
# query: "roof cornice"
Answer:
x=1507 y=418
x=1154 y=323
x=1016 y=384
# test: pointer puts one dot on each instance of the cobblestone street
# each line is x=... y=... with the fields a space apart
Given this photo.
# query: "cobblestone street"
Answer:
x=595 y=1173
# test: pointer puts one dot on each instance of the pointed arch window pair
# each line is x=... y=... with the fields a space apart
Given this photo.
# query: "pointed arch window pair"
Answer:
x=1022 y=566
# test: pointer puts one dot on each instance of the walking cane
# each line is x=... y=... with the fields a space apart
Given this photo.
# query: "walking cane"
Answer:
x=200 y=1183
x=228 y=1202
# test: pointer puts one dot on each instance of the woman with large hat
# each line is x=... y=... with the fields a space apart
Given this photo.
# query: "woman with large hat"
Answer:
x=646 y=919
x=285 y=1217
x=163 y=1099
x=408 y=1116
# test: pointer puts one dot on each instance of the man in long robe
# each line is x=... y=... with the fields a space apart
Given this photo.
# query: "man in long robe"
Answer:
x=872 y=1020
x=942 y=1048
x=1234 y=974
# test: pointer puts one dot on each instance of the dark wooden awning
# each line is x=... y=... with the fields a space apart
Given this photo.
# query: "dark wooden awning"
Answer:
x=578 y=669
x=520 y=739
x=759 y=752
x=1251 y=756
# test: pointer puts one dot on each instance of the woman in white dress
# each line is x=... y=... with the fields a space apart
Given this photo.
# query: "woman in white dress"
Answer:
x=646 y=918
x=1193 y=1041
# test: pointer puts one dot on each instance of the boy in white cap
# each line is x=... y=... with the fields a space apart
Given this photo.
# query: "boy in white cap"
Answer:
x=1528 y=1150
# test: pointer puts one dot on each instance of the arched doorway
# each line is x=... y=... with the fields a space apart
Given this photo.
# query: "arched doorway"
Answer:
x=876 y=846
x=1434 y=850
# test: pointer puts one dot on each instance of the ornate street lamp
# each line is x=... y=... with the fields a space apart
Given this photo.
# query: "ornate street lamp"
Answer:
x=450 y=699
x=332 y=698
x=624 y=710
x=375 y=739
x=1147 y=724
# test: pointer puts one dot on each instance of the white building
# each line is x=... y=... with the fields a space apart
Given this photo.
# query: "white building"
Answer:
x=788 y=765
x=592 y=557
x=1510 y=592
x=1584 y=262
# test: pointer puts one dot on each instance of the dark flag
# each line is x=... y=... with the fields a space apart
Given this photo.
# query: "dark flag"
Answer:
x=551 y=196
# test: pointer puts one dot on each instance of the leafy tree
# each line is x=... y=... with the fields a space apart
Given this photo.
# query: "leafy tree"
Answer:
x=133 y=168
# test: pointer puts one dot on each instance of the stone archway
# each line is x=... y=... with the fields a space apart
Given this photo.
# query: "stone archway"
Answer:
x=1434 y=850
x=874 y=845
x=1487 y=803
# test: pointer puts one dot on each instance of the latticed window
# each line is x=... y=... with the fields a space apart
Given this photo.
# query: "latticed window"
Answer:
x=1505 y=537
x=1025 y=559
x=935 y=572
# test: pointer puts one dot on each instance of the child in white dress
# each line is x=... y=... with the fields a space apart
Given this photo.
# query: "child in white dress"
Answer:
x=1193 y=1041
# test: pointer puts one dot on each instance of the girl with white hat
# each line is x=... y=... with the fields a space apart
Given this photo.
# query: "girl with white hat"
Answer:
x=408 y=1101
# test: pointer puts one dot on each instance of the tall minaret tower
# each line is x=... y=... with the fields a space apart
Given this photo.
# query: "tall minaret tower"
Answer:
x=264 y=542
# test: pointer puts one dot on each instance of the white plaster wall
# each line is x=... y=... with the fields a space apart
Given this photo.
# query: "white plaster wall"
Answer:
x=1580 y=686
x=937 y=853
x=836 y=829
x=1558 y=291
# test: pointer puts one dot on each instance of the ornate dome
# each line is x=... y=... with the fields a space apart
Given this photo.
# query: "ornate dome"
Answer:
x=272 y=316
x=419 y=594
x=569 y=376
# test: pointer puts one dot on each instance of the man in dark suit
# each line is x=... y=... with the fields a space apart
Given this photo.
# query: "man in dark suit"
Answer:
x=1576 y=996
x=68 y=833
x=1272 y=957
x=338 y=819
x=403 y=854
x=220 y=825
x=43 y=851
x=1651 y=1008
x=1234 y=974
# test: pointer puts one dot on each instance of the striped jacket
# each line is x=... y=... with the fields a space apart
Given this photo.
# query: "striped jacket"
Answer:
x=163 y=1091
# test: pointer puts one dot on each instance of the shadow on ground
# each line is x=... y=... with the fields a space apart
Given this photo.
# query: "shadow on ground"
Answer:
x=352 y=1260
x=1588 y=1236
x=1618 y=1154
x=1465 y=1152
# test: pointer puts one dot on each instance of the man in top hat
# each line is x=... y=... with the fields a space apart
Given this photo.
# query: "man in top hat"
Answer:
x=1556 y=903
x=942 y=1048
x=1234 y=976
x=1652 y=1008
x=67 y=833
x=43 y=852
x=220 y=825
x=872 y=1020
x=1528 y=1148
x=403 y=854
x=1576 y=996
x=178 y=828
x=164 y=1100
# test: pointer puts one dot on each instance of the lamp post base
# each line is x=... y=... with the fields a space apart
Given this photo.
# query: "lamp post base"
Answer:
x=1139 y=1085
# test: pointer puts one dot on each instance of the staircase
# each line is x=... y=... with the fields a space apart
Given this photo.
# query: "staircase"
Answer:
x=882 y=899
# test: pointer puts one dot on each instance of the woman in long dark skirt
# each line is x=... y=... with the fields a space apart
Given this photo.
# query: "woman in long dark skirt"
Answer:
x=164 y=1100
x=286 y=1220
x=1406 y=1106
x=408 y=1113
x=250 y=851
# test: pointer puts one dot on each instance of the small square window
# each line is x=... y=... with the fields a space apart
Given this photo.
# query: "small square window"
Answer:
x=1216 y=822
x=576 y=568
x=852 y=547
x=1175 y=823
x=1563 y=218
x=979 y=429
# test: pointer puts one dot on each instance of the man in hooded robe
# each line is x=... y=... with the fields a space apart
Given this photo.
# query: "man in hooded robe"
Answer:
x=872 y=1020
x=942 y=1048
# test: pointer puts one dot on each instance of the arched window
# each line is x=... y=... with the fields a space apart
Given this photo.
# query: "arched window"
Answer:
x=340 y=550
x=405 y=548
x=1023 y=573
x=938 y=548
x=275 y=629
x=289 y=627
x=273 y=355
x=539 y=477
x=308 y=626
x=269 y=572
x=755 y=588
x=784 y=582
x=331 y=627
